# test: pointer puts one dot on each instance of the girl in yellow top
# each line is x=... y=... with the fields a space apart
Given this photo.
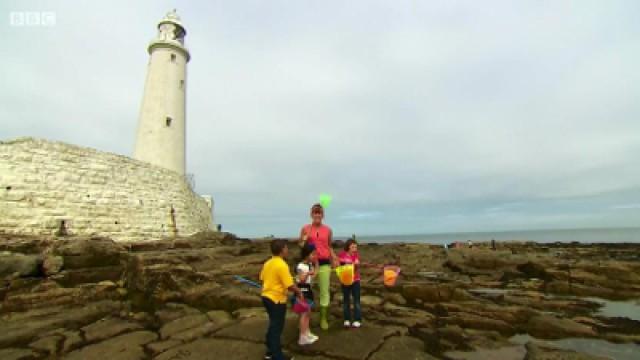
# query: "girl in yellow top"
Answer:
x=276 y=283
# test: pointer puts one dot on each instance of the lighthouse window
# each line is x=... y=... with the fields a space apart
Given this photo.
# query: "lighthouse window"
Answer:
x=168 y=121
x=181 y=84
x=173 y=57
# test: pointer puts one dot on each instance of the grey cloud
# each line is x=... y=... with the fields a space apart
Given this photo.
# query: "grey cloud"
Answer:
x=443 y=116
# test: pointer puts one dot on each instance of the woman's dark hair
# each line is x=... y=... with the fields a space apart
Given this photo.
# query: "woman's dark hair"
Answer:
x=306 y=250
x=317 y=208
x=347 y=244
x=277 y=245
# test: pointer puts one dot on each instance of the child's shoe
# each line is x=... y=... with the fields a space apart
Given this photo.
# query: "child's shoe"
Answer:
x=313 y=336
x=347 y=323
x=356 y=324
x=306 y=340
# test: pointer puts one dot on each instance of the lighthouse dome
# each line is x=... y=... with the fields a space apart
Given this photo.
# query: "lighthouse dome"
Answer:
x=172 y=17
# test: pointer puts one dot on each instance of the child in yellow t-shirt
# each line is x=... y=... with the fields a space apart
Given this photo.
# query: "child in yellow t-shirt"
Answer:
x=276 y=283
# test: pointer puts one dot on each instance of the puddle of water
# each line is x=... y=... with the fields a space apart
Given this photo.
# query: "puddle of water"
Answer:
x=597 y=347
x=489 y=291
x=431 y=274
x=504 y=353
x=628 y=309
x=610 y=308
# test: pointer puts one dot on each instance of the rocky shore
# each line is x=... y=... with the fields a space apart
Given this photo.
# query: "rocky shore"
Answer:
x=92 y=298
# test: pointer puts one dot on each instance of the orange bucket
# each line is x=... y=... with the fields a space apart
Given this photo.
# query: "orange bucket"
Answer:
x=346 y=274
x=390 y=275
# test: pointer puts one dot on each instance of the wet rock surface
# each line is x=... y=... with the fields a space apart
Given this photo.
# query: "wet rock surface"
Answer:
x=537 y=352
x=90 y=298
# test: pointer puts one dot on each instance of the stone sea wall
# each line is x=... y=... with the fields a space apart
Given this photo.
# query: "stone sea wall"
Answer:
x=51 y=187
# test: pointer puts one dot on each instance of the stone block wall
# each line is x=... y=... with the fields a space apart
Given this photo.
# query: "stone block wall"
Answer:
x=46 y=186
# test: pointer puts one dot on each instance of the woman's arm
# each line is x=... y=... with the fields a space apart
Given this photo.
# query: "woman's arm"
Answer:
x=303 y=236
x=334 y=258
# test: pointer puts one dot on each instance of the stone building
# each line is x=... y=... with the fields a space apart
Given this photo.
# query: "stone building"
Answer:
x=51 y=187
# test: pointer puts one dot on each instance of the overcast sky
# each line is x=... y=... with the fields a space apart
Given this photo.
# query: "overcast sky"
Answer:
x=416 y=116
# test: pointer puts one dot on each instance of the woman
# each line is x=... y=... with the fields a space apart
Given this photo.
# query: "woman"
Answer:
x=320 y=236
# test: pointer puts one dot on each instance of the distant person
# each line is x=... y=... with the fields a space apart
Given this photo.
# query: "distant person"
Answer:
x=305 y=272
x=493 y=244
x=350 y=256
x=321 y=236
x=276 y=283
x=470 y=244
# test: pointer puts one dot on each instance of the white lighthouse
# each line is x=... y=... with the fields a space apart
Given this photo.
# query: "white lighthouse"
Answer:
x=161 y=126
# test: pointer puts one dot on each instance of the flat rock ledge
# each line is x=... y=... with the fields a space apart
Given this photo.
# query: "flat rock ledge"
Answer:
x=177 y=299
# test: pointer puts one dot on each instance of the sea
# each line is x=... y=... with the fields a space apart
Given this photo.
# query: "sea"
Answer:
x=594 y=235
x=595 y=347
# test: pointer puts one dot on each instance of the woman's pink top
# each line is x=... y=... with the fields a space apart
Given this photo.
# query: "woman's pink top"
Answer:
x=347 y=258
x=319 y=236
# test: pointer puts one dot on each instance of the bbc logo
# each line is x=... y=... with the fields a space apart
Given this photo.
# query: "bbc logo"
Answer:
x=32 y=18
